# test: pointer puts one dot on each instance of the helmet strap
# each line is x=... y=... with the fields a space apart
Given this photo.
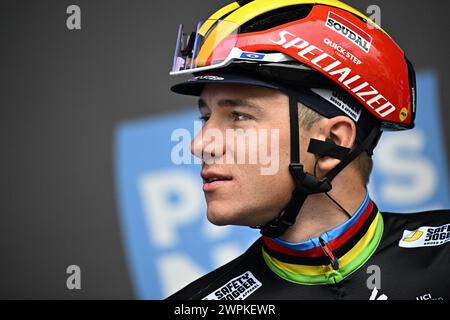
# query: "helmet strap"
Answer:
x=305 y=183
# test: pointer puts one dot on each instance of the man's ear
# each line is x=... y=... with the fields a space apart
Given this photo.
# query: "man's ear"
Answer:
x=342 y=131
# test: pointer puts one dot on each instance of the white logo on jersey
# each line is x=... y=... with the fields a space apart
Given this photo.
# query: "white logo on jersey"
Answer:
x=428 y=296
x=238 y=288
x=374 y=295
x=425 y=237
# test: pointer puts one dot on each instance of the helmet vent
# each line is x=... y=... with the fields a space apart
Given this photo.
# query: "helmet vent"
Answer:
x=243 y=2
x=276 y=18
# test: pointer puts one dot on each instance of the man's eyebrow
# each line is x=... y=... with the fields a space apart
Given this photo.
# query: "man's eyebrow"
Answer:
x=230 y=103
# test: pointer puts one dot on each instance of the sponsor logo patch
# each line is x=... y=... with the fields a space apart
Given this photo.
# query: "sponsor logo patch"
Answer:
x=238 y=288
x=425 y=237
x=349 y=30
x=342 y=101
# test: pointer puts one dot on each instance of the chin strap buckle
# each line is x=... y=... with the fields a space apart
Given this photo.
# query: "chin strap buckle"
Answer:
x=307 y=183
x=276 y=227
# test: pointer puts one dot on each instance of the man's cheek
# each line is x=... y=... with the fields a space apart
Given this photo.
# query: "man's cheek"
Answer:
x=269 y=153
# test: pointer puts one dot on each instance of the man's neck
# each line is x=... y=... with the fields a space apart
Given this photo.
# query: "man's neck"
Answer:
x=319 y=214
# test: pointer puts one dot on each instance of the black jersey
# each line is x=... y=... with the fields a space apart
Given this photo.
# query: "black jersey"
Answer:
x=372 y=256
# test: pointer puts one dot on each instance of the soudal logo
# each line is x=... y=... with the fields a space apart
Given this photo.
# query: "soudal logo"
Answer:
x=349 y=30
x=330 y=65
x=238 y=288
x=425 y=237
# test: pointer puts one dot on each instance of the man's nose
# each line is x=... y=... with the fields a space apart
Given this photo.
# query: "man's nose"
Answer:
x=209 y=143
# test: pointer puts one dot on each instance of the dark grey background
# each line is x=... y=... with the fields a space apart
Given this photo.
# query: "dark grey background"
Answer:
x=62 y=94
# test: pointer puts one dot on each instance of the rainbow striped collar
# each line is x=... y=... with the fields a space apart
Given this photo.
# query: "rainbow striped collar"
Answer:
x=333 y=256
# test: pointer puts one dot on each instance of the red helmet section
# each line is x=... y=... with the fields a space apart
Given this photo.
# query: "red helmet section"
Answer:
x=360 y=58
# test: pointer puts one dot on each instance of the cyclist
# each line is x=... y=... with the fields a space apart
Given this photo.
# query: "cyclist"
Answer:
x=329 y=81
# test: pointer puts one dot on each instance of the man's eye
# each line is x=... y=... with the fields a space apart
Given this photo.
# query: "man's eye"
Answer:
x=237 y=116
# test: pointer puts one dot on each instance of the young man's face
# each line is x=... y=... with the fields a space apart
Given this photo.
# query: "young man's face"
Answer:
x=249 y=192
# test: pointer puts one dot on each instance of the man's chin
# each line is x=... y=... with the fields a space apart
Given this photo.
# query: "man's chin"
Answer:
x=219 y=219
x=220 y=216
x=223 y=215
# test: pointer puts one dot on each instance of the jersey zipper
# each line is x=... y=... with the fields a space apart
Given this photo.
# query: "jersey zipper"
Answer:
x=327 y=251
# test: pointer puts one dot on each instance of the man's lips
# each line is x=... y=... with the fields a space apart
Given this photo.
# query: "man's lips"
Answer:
x=213 y=180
